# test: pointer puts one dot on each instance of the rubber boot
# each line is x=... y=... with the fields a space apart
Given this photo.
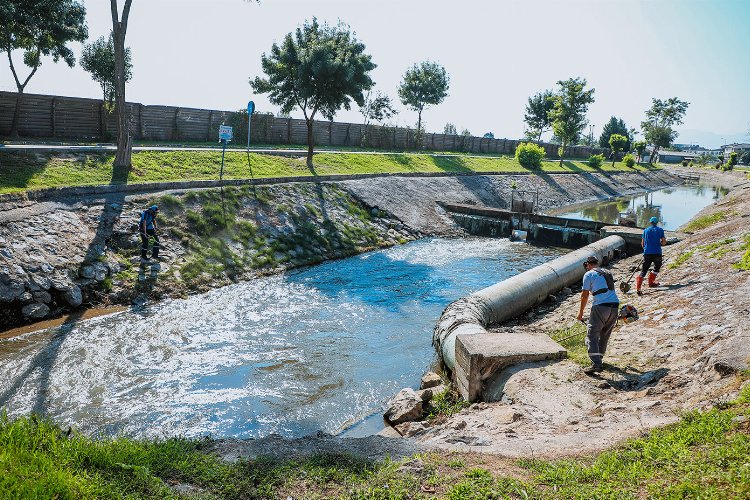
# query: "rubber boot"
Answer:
x=652 y=280
x=638 y=284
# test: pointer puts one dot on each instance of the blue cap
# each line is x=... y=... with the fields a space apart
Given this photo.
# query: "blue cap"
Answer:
x=153 y=208
x=654 y=220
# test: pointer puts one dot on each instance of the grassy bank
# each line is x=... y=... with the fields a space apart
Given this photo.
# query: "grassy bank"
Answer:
x=705 y=455
x=23 y=170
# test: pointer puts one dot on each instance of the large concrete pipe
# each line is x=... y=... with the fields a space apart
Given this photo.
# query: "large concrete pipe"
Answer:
x=509 y=298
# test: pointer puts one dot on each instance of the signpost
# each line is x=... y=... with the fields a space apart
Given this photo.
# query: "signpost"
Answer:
x=225 y=135
x=250 y=111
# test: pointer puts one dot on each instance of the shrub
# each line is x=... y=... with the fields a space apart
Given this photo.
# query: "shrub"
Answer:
x=684 y=163
x=529 y=155
x=595 y=161
x=733 y=160
x=628 y=160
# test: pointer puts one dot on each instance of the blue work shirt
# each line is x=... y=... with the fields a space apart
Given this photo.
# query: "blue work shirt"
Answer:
x=593 y=281
x=652 y=237
x=148 y=216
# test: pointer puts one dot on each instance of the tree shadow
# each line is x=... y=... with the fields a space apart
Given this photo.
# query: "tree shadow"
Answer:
x=43 y=361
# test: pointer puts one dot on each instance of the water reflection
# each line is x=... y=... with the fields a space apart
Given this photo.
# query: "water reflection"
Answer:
x=673 y=206
x=292 y=354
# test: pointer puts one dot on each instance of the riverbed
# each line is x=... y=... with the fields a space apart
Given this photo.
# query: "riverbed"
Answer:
x=318 y=349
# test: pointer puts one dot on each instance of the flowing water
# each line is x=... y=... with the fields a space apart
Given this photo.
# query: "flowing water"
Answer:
x=673 y=206
x=316 y=349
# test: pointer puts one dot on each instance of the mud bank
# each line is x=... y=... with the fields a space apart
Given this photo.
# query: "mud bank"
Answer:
x=79 y=252
x=690 y=349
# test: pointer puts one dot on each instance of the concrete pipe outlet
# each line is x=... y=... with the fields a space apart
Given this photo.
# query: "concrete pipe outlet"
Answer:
x=507 y=299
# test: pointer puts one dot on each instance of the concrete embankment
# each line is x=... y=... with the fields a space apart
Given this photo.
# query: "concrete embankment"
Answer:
x=81 y=250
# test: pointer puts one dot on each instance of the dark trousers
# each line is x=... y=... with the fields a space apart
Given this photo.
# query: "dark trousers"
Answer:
x=150 y=233
x=601 y=323
x=648 y=259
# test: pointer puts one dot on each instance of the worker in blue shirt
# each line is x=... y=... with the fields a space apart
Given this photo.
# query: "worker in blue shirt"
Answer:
x=147 y=228
x=652 y=241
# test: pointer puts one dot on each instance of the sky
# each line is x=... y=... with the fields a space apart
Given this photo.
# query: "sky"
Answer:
x=201 y=53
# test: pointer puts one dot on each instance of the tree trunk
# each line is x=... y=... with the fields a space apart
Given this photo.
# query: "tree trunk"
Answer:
x=540 y=135
x=653 y=155
x=419 y=129
x=124 y=141
x=16 y=115
x=562 y=153
x=310 y=143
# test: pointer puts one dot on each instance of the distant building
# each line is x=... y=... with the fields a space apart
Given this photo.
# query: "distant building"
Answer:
x=737 y=147
x=675 y=156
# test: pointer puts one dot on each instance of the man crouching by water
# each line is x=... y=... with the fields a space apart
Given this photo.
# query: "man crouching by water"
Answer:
x=604 y=309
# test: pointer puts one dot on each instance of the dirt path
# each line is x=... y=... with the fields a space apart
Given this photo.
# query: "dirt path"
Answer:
x=691 y=341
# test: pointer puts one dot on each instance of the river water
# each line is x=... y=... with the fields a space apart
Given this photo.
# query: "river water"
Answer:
x=316 y=349
x=673 y=206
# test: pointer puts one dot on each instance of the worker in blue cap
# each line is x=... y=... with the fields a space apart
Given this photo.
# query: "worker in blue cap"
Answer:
x=652 y=240
x=147 y=229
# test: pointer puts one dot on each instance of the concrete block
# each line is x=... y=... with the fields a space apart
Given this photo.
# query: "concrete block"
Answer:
x=478 y=357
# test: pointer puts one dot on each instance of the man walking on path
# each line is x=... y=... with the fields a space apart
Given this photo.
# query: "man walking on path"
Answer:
x=652 y=241
x=147 y=227
x=600 y=285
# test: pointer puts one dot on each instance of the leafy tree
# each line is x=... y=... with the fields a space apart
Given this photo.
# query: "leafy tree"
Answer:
x=319 y=68
x=746 y=157
x=568 y=114
x=733 y=160
x=465 y=133
x=450 y=129
x=639 y=147
x=617 y=143
x=489 y=135
x=424 y=84
x=376 y=108
x=98 y=58
x=660 y=118
x=39 y=29
x=537 y=115
x=615 y=126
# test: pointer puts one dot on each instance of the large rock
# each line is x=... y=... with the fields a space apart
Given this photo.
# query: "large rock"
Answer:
x=404 y=407
x=430 y=379
x=73 y=296
x=42 y=296
x=10 y=289
x=431 y=392
x=35 y=311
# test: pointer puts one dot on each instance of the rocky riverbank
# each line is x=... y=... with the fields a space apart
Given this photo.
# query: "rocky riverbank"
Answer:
x=82 y=251
x=689 y=350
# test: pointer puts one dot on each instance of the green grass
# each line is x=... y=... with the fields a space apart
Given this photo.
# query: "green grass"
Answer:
x=704 y=455
x=22 y=170
x=681 y=259
x=445 y=404
x=573 y=338
x=744 y=262
x=705 y=221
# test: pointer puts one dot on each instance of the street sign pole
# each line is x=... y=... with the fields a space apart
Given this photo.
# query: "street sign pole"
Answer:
x=250 y=110
x=225 y=135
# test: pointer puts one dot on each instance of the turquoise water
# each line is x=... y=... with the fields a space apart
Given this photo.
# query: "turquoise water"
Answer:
x=673 y=206
x=321 y=348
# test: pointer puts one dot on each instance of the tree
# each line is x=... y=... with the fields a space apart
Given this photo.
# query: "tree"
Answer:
x=319 y=68
x=615 y=126
x=376 y=108
x=450 y=129
x=746 y=157
x=424 y=84
x=617 y=143
x=639 y=147
x=537 y=115
x=660 y=118
x=39 y=29
x=98 y=58
x=465 y=133
x=568 y=114
x=489 y=135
